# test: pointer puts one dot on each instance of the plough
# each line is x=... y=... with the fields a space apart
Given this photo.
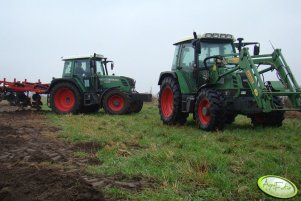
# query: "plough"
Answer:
x=18 y=93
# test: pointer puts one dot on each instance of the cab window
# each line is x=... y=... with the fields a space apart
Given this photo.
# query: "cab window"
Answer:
x=213 y=49
x=82 y=68
x=187 y=58
x=67 y=68
x=99 y=68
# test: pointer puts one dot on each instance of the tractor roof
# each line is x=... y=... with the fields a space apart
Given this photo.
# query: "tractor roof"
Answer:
x=83 y=57
x=216 y=36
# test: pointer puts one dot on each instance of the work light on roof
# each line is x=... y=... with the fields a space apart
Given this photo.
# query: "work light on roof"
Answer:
x=215 y=35
x=229 y=36
x=222 y=35
x=208 y=35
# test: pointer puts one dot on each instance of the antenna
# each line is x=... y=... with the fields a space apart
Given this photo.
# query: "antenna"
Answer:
x=272 y=45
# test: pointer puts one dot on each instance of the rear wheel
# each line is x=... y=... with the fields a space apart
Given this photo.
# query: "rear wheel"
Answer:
x=170 y=102
x=273 y=119
x=65 y=98
x=209 y=112
x=116 y=102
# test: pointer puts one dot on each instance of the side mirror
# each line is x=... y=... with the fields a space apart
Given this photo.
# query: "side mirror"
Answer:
x=256 y=49
x=112 y=65
x=240 y=44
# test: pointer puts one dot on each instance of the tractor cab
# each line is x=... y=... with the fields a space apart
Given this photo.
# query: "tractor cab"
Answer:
x=85 y=65
x=85 y=69
x=204 y=46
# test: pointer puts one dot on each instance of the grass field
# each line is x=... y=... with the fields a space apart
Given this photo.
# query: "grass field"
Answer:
x=183 y=162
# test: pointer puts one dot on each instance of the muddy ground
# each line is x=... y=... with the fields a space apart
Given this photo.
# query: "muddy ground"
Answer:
x=36 y=165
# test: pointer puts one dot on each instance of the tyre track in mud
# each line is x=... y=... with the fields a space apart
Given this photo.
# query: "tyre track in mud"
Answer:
x=30 y=151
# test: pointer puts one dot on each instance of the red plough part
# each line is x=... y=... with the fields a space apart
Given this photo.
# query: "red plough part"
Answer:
x=17 y=92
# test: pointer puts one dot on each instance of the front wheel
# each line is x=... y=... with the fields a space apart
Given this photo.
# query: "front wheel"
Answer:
x=65 y=98
x=170 y=101
x=209 y=111
x=116 y=102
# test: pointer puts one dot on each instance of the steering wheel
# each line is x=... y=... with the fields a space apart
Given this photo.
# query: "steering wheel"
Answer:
x=212 y=57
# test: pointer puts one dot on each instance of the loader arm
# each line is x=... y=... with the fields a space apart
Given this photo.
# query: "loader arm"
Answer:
x=264 y=96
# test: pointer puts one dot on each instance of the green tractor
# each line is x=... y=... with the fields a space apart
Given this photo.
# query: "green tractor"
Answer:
x=86 y=86
x=216 y=78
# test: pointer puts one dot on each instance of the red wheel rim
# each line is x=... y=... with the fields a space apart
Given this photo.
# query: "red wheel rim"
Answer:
x=203 y=111
x=167 y=102
x=116 y=103
x=64 y=99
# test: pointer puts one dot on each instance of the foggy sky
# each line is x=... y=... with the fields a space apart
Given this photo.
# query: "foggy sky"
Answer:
x=137 y=35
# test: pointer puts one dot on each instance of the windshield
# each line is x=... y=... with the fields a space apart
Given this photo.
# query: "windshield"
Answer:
x=212 y=49
x=100 y=68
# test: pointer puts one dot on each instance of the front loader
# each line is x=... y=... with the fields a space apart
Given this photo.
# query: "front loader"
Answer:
x=216 y=78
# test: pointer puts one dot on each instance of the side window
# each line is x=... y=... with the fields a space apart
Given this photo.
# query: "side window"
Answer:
x=99 y=68
x=82 y=68
x=175 y=57
x=67 y=68
x=187 y=58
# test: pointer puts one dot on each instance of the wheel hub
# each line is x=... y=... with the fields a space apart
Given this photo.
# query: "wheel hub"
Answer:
x=116 y=103
x=205 y=111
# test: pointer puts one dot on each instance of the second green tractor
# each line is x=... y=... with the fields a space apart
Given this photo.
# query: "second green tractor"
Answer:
x=86 y=86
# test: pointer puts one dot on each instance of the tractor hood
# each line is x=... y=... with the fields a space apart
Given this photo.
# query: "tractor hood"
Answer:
x=125 y=83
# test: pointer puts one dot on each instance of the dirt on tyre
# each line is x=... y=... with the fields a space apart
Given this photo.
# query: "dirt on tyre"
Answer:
x=116 y=102
x=209 y=111
x=65 y=98
x=169 y=102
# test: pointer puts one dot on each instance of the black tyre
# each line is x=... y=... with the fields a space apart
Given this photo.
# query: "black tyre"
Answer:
x=23 y=100
x=12 y=99
x=136 y=106
x=170 y=101
x=116 y=102
x=65 y=98
x=273 y=119
x=209 y=110
x=182 y=118
x=230 y=117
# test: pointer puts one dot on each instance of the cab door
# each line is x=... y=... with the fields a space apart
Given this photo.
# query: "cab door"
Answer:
x=185 y=66
x=83 y=73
